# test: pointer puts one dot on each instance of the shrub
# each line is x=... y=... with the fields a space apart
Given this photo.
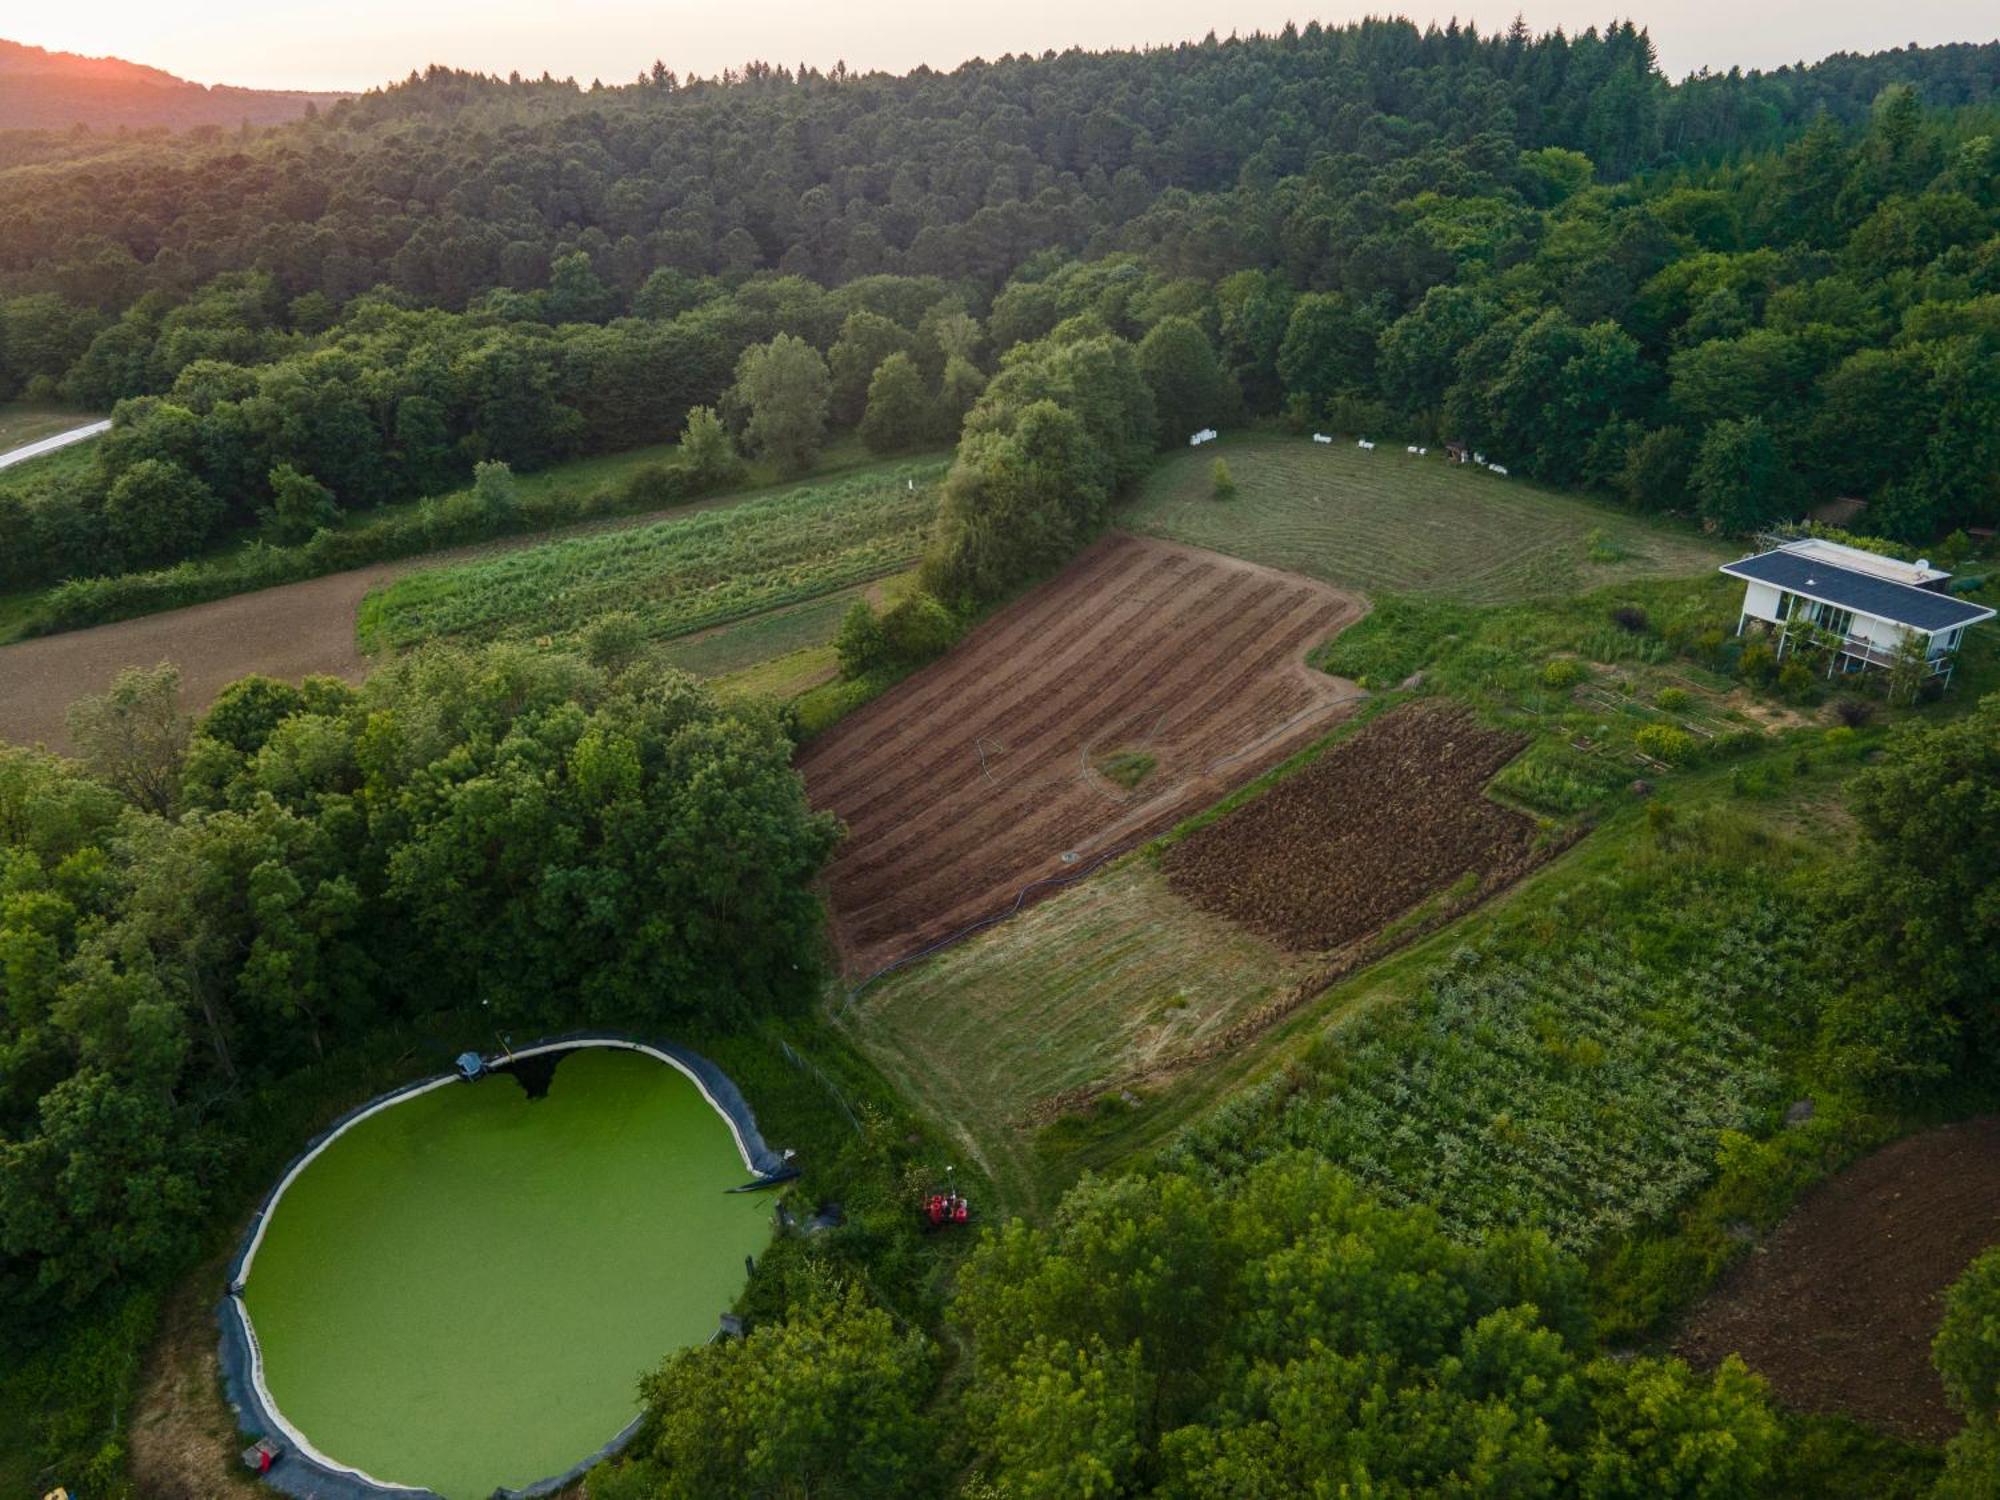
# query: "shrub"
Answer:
x=1629 y=617
x=611 y=641
x=1665 y=743
x=1674 y=700
x=1840 y=740
x=860 y=645
x=1563 y=672
x=1967 y=1350
x=1758 y=663
x=1222 y=484
x=655 y=485
x=918 y=628
x=1853 y=712
x=1796 y=681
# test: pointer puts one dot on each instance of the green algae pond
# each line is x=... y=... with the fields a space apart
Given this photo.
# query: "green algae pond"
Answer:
x=462 y=1290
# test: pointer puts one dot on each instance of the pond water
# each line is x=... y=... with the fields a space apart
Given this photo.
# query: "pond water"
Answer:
x=462 y=1291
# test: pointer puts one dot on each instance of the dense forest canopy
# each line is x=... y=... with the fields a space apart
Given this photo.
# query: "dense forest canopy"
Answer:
x=1739 y=295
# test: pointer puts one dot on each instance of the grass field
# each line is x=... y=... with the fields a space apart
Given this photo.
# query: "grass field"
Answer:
x=463 y=1290
x=800 y=543
x=1102 y=982
x=24 y=422
x=1388 y=522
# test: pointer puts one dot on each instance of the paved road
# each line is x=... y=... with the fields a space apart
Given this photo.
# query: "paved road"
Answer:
x=49 y=444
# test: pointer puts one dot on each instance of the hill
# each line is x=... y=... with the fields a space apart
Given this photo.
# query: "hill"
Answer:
x=43 y=90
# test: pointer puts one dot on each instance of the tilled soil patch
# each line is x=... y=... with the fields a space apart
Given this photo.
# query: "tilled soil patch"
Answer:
x=974 y=780
x=1838 y=1308
x=1373 y=828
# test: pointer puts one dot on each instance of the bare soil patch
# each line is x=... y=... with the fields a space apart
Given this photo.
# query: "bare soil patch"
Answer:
x=1838 y=1308
x=973 y=779
x=1368 y=831
x=184 y=1442
x=290 y=631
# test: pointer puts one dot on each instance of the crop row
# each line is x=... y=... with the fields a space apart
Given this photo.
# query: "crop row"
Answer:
x=676 y=576
x=1580 y=1092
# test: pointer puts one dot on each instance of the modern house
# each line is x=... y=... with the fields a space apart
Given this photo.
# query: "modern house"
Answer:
x=1867 y=609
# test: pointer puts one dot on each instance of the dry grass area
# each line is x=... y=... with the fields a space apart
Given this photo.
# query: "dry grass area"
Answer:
x=1116 y=977
x=184 y=1443
x=1387 y=522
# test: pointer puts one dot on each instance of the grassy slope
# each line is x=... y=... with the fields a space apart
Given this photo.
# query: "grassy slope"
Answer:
x=1388 y=522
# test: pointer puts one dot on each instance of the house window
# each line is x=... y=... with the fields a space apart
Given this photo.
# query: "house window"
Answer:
x=1839 y=621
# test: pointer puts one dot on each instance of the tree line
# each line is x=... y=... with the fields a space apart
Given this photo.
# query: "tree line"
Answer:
x=452 y=184
x=1736 y=337
x=230 y=418
x=196 y=911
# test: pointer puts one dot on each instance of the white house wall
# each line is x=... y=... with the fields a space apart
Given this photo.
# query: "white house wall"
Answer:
x=1883 y=635
x=1760 y=601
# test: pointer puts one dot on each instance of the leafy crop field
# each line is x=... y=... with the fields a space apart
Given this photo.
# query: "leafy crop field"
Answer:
x=1576 y=1085
x=677 y=576
x=1388 y=522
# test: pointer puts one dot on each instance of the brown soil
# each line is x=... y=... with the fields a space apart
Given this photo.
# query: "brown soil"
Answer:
x=1838 y=1308
x=288 y=631
x=184 y=1443
x=1368 y=831
x=972 y=779
x=291 y=631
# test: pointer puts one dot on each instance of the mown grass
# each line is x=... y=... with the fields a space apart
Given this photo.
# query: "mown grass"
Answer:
x=1388 y=522
x=40 y=476
x=1099 y=982
x=796 y=544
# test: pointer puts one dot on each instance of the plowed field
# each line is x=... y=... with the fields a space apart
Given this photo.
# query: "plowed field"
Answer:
x=975 y=778
x=1838 y=1308
x=1365 y=833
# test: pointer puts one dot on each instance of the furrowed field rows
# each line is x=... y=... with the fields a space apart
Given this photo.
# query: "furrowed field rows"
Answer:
x=677 y=576
x=975 y=777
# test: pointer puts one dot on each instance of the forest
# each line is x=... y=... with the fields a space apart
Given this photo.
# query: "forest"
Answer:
x=1733 y=297
x=1725 y=300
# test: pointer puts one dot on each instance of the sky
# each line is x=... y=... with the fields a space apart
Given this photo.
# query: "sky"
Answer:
x=356 y=44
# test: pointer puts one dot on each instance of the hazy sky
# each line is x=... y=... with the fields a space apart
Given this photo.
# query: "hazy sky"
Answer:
x=354 y=44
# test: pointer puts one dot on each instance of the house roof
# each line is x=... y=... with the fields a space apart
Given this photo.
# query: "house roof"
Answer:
x=1879 y=598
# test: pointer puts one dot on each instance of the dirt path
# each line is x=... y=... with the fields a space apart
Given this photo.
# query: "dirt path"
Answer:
x=1838 y=1308
x=288 y=631
x=975 y=777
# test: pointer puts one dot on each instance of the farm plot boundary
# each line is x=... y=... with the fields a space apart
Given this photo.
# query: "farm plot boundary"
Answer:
x=981 y=775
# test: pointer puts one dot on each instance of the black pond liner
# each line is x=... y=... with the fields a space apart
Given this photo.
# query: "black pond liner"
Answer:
x=301 y=1475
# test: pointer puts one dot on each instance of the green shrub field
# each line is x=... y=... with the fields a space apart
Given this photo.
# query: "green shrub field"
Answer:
x=677 y=576
x=1580 y=1087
